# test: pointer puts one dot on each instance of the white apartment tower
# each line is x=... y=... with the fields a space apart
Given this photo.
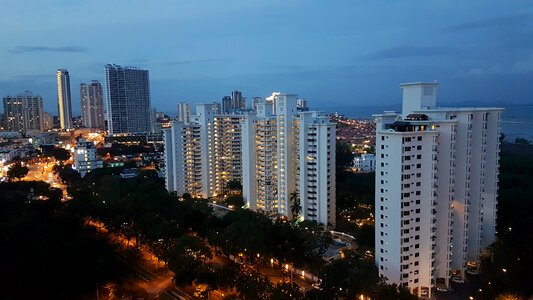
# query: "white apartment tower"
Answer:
x=184 y=112
x=288 y=161
x=85 y=157
x=183 y=160
x=202 y=156
x=436 y=189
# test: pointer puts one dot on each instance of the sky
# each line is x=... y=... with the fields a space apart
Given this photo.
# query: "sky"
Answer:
x=337 y=54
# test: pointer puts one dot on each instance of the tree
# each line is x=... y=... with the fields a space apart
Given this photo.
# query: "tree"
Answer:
x=188 y=258
x=234 y=185
x=521 y=141
x=344 y=156
x=17 y=171
x=296 y=209
x=60 y=154
x=236 y=200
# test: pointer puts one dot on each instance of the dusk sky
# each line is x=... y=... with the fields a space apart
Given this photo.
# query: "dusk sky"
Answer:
x=336 y=54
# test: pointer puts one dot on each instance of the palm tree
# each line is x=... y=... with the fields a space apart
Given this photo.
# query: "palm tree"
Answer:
x=296 y=209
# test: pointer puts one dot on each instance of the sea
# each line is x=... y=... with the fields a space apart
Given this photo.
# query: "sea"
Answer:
x=517 y=120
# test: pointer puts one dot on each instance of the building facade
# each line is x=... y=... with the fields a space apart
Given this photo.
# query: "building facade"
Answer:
x=24 y=113
x=436 y=189
x=216 y=159
x=85 y=157
x=64 y=101
x=184 y=112
x=234 y=103
x=128 y=99
x=289 y=161
x=365 y=162
x=183 y=159
x=92 y=105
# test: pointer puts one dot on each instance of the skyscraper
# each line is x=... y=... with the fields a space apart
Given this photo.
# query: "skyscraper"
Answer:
x=288 y=161
x=234 y=103
x=92 y=105
x=184 y=112
x=24 y=113
x=436 y=189
x=202 y=156
x=285 y=159
x=128 y=98
x=64 y=101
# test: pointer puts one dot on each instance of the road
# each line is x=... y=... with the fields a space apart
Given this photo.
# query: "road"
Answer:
x=158 y=280
x=41 y=170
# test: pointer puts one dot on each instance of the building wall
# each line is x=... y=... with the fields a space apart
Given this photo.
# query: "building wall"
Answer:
x=85 y=158
x=289 y=155
x=24 y=113
x=92 y=105
x=64 y=99
x=455 y=182
x=128 y=99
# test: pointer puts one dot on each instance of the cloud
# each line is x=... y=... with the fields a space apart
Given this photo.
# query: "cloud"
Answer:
x=410 y=51
x=196 y=61
x=29 y=49
x=512 y=20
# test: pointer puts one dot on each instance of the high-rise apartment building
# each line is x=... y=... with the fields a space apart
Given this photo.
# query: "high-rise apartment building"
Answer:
x=24 y=113
x=285 y=159
x=289 y=161
x=128 y=99
x=48 y=121
x=184 y=112
x=202 y=156
x=436 y=189
x=234 y=103
x=64 y=101
x=92 y=105
x=85 y=157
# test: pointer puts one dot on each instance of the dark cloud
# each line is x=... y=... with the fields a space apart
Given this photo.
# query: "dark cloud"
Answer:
x=410 y=51
x=196 y=61
x=509 y=21
x=29 y=49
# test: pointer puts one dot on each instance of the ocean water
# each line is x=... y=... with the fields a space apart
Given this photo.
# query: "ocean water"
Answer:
x=517 y=120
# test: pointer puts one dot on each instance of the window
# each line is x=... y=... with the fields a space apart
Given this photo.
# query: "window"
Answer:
x=419 y=156
x=419 y=147
x=417 y=193
x=418 y=166
x=419 y=138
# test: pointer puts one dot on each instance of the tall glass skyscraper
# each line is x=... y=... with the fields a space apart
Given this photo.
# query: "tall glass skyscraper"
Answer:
x=128 y=99
x=64 y=102
x=92 y=105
